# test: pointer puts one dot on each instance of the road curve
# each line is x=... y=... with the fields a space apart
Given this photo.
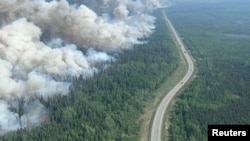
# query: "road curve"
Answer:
x=156 y=128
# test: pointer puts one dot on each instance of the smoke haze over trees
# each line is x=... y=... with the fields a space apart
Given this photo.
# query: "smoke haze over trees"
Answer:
x=45 y=43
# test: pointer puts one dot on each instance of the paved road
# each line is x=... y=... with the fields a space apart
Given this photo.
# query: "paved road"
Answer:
x=157 y=124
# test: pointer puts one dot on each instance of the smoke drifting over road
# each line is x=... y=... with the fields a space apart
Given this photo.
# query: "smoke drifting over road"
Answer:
x=40 y=42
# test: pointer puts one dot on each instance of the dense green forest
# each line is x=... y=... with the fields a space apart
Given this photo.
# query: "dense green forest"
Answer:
x=107 y=106
x=218 y=35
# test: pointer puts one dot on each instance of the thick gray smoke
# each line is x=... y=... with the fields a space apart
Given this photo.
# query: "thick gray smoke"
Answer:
x=40 y=42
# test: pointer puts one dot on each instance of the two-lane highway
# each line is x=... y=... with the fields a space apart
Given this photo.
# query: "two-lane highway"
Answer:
x=157 y=124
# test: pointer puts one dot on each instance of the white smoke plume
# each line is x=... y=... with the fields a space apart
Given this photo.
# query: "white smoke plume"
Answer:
x=40 y=42
x=81 y=25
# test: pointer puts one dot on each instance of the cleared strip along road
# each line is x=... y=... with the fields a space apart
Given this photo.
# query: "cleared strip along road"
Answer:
x=156 y=128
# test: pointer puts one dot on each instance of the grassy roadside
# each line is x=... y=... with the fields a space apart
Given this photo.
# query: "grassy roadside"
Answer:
x=166 y=86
